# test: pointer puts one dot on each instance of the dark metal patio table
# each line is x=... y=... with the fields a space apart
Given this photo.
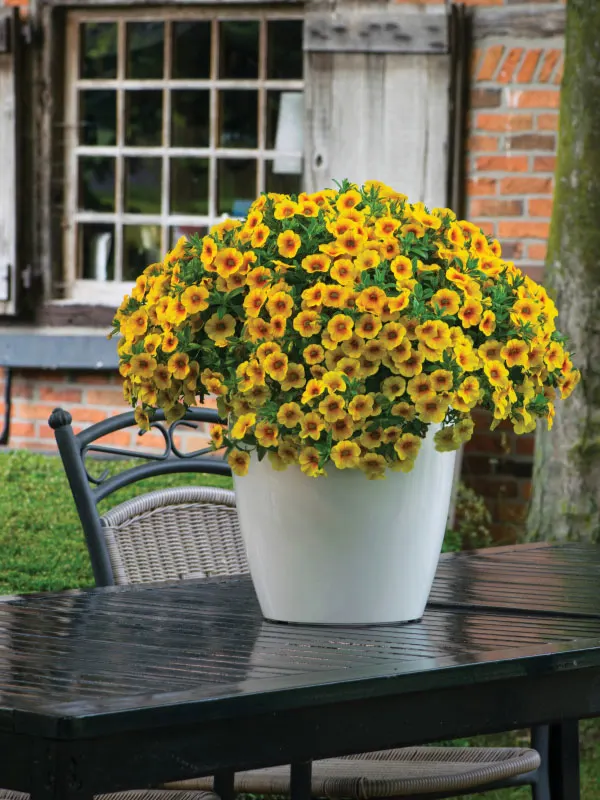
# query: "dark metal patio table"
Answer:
x=116 y=688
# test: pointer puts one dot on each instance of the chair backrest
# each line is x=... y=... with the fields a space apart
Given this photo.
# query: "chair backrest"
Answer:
x=111 y=539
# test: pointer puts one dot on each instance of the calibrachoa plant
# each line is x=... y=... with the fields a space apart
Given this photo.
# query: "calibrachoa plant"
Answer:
x=337 y=327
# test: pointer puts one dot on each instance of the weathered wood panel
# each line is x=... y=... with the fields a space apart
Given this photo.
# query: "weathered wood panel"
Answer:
x=375 y=116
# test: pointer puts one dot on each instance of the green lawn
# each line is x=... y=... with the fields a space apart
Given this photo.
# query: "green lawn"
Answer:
x=42 y=549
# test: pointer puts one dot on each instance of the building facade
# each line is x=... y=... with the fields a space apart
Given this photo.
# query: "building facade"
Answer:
x=124 y=126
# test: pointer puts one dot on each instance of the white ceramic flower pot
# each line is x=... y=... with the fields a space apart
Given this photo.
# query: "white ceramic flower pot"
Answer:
x=343 y=549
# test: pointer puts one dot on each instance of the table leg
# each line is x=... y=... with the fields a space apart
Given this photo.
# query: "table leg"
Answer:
x=223 y=784
x=563 y=761
x=300 y=780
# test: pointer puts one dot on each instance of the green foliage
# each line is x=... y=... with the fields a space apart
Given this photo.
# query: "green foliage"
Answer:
x=472 y=522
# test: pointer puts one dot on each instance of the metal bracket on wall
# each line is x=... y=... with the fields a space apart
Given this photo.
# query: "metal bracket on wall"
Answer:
x=376 y=31
x=4 y=436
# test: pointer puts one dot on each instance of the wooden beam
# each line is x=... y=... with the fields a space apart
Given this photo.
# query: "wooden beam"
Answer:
x=542 y=20
x=375 y=30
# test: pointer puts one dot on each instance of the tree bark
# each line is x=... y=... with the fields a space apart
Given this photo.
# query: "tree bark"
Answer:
x=566 y=486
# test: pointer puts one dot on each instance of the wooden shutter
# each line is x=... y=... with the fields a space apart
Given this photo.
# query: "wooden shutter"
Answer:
x=377 y=98
x=10 y=95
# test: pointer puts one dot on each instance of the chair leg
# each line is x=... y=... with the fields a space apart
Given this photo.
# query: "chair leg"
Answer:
x=540 y=736
x=300 y=780
x=223 y=784
x=563 y=761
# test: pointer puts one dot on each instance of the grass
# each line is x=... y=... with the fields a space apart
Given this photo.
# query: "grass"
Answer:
x=42 y=549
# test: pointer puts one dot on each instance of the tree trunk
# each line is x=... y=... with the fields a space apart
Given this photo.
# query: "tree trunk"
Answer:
x=566 y=486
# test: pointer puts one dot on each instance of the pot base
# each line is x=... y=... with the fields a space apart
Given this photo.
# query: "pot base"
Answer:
x=342 y=624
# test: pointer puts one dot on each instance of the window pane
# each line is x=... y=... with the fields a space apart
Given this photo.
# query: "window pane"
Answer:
x=98 y=49
x=96 y=256
x=176 y=232
x=189 y=186
x=97 y=183
x=284 y=49
x=145 y=49
x=141 y=247
x=236 y=186
x=98 y=117
x=191 y=50
x=143 y=118
x=238 y=117
x=285 y=121
x=190 y=118
x=238 y=49
x=143 y=180
x=285 y=183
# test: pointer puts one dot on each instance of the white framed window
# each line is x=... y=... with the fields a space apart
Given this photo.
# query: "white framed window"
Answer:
x=174 y=119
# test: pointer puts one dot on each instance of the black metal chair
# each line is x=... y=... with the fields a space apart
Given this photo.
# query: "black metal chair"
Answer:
x=193 y=532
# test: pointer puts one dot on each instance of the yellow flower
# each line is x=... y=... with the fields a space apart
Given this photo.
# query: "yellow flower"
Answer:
x=470 y=313
x=397 y=303
x=308 y=208
x=340 y=327
x=420 y=388
x=312 y=390
x=361 y=407
x=392 y=334
x=334 y=381
x=524 y=311
x=411 y=366
x=389 y=247
x=349 y=366
x=404 y=410
x=152 y=343
x=285 y=209
x=311 y=425
x=217 y=435
x=258 y=278
x=143 y=365
x=243 y=425
x=343 y=271
x=345 y=455
x=313 y=354
x=176 y=311
x=371 y=299
x=318 y=262
x=446 y=301
x=332 y=407
x=351 y=242
x=488 y=323
x=194 y=299
x=435 y=334
x=258 y=329
x=393 y=387
x=348 y=200
x=288 y=244
x=371 y=438
x=466 y=358
x=401 y=268
x=280 y=304
x=209 y=251
x=239 y=461
x=228 y=261
x=407 y=447
x=177 y=411
x=267 y=434
x=220 y=330
x=373 y=465
x=515 y=353
x=490 y=351
x=276 y=365
x=433 y=409
x=374 y=350
x=354 y=346
x=260 y=235
x=464 y=429
x=334 y=296
x=254 y=301
x=555 y=355
x=386 y=226
x=496 y=373
x=309 y=462
x=307 y=323
x=342 y=428
x=162 y=377
x=294 y=378
x=368 y=259
x=446 y=439
x=179 y=365
x=368 y=326
x=568 y=382
x=279 y=324
x=277 y=462
x=289 y=415
x=142 y=419
x=441 y=380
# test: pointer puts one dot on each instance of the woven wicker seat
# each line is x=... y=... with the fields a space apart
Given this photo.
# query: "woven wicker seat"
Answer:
x=193 y=532
x=393 y=773
x=145 y=794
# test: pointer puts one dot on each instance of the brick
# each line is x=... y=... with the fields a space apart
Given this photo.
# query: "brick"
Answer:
x=21 y=388
x=493 y=487
x=481 y=186
x=510 y=62
x=22 y=429
x=537 y=252
x=547 y=122
x=118 y=438
x=559 y=74
x=528 y=67
x=489 y=228
x=31 y=411
x=513 y=512
x=525 y=445
x=526 y=185
x=482 y=144
x=512 y=250
x=540 y=207
x=502 y=163
x=482 y=2
x=190 y=443
x=59 y=395
x=544 y=163
x=474 y=61
x=41 y=375
x=486 y=98
x=504 y=123
x=104 y=397
x=526 y=486
x=532 y=141
x=536 y=273
x=94 y=378
x=523 y=229
x=490 y=62
x=534 y=98
x=90 y=415
x=487 y=443
x=496 y=208
x=551 y=59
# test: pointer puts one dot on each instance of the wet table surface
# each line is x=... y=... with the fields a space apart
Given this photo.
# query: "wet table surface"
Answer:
x=176 y=680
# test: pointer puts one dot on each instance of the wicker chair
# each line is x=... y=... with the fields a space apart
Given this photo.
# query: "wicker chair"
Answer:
x=193 y=532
